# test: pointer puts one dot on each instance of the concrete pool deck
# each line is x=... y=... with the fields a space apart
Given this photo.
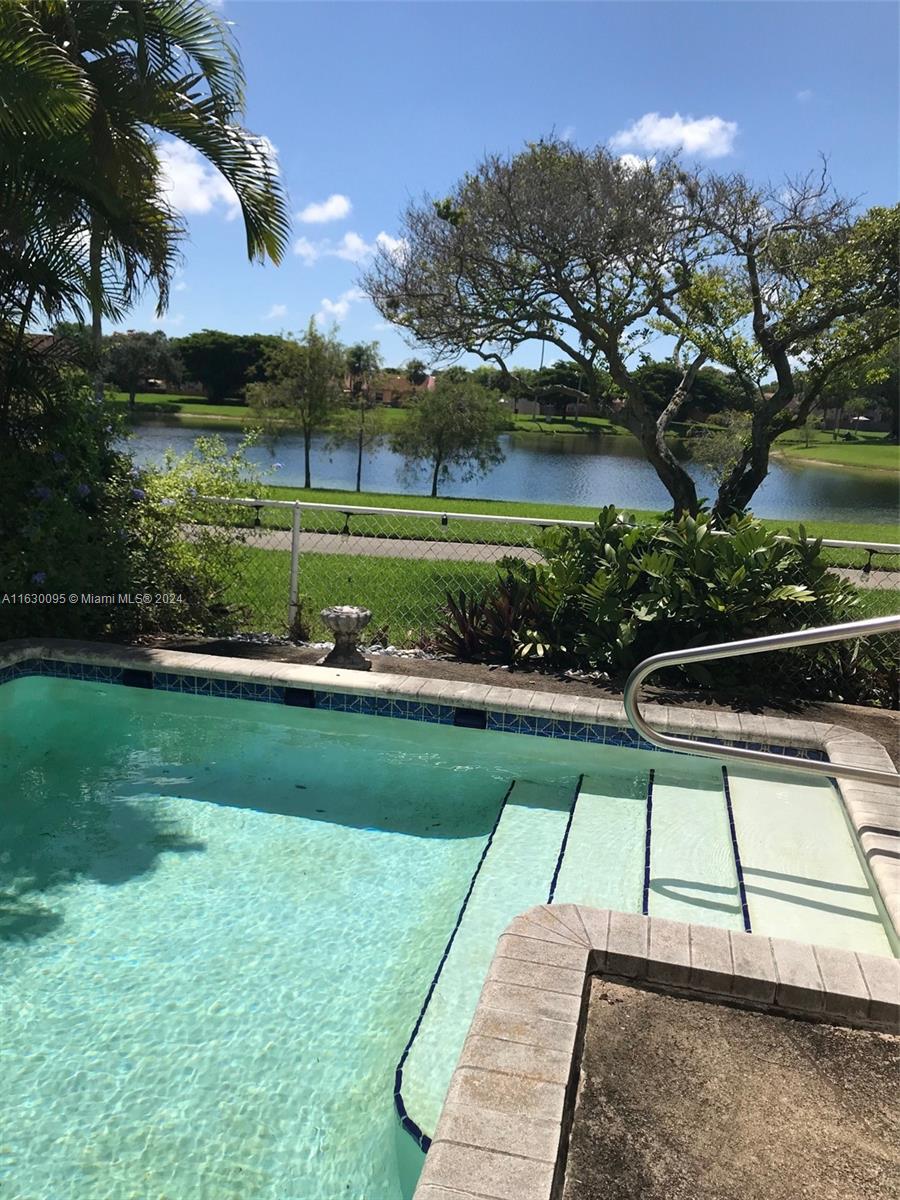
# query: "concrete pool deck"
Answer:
x=681 y=1099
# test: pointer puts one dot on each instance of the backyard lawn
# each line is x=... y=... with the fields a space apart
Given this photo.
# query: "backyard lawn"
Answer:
x=500 y=533
x=867 y=454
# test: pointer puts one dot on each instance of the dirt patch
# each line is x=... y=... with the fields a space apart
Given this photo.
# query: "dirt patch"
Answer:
x=879 y=723
x=685 y=1100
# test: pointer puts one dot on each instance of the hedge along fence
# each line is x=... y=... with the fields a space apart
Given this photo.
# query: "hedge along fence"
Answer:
x=289 y=559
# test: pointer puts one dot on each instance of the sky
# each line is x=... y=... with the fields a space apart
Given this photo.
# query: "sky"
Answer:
x=371 y=104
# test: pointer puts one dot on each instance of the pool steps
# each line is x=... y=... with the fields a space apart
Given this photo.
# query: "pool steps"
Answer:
x=732 y=867
x=773 y=834
x=514 y=874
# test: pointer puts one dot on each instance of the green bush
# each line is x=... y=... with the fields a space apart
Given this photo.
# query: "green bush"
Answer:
x=607 y=597
x=80 y=520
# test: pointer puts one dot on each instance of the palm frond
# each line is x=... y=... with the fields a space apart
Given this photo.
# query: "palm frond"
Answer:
x=44 y=92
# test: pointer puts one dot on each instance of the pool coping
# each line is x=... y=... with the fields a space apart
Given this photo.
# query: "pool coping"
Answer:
x=503 y=1130
x=873 y=810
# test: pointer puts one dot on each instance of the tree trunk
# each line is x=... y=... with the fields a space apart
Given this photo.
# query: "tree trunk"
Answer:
x=672 y=474
x=131 y=396
x=651 y=432
x=838 y=418
x=307 y=474
x=95 y=260
x=434 y=477
x=737 y=489
x=359 y=448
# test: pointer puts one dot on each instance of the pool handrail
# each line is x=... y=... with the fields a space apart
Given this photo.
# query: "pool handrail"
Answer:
x=759 y=645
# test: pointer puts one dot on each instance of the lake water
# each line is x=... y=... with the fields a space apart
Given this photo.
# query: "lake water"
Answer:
x=557 y=469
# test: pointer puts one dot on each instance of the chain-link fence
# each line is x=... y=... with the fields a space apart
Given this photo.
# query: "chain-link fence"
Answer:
x=288 y=560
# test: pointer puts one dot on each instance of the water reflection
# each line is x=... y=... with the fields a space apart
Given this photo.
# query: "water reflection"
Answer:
x=560 y=469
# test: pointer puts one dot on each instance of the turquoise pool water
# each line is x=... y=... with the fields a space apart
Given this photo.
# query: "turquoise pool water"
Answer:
x=219 y=921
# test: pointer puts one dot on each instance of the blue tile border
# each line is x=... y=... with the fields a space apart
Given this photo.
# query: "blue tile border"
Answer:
x=371 y=706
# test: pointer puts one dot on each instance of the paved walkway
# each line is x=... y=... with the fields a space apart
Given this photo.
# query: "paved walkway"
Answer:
x=437 y=551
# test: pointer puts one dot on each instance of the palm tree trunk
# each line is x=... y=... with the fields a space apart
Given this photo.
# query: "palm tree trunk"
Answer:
x=96 y=297
x=434 y=477
x=307 y=474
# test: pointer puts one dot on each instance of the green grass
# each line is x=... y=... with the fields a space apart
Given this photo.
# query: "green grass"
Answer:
x=405 y=595
x=552 y=425
x=865 y=455
x=877 y=602
x=170 y=405
x=509 y=535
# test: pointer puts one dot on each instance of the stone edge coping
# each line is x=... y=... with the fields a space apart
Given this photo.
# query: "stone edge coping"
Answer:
x=873 y=810
x=505 y=1122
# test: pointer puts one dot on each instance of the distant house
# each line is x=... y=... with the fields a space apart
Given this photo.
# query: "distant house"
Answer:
x=394 y=389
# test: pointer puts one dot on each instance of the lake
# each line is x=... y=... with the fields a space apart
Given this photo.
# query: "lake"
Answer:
x=557 y=469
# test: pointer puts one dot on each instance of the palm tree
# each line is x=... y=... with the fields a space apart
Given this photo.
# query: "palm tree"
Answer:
x=363 y=364
x=93 y=81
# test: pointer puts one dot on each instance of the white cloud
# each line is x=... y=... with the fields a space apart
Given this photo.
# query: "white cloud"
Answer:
x=396 y=247
x=634 y=162
x=352 y=248
x=277 y=310
x=336 y=310
x=180 y=286
x=804 y=95
x=567 y=134
x=335 y=208
x=190 y=184
x=711 y=137
x=306 y=250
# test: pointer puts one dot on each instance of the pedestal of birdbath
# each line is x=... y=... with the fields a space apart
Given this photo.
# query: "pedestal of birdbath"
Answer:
x=346 y=622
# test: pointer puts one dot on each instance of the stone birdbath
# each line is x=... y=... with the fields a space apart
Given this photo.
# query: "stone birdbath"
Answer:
x=346 y=622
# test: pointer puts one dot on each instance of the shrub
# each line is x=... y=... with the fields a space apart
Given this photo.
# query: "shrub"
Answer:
x=609 y=596
x=78 y=518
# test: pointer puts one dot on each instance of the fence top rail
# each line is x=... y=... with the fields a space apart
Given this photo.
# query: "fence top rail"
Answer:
x=441 y=514
x=363 y=509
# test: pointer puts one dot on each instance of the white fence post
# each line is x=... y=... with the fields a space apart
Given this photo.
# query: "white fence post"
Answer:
x=295 y=564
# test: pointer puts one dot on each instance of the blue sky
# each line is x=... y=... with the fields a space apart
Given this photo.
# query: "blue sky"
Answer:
x=369 y=104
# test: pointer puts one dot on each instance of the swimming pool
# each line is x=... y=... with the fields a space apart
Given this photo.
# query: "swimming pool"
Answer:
x=224 y=921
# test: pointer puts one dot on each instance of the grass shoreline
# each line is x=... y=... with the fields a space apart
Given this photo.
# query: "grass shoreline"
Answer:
x=846 y=530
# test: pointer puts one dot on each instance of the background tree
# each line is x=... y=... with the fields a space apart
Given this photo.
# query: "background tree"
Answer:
x=804 y=280
x=223 y=363
x=131 y=359
x=360 y=419
x=713 y=392
x=558 y=245
x=303 y=381
x=416 y=372
x=452 y=430
x=579 y=250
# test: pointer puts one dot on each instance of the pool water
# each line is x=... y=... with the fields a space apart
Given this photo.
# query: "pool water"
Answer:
x=219 y=921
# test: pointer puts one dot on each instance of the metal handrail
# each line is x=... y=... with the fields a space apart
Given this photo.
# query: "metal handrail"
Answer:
x=760 y=645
